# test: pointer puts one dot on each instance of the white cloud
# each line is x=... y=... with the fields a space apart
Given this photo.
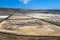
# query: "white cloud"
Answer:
x=25 y=1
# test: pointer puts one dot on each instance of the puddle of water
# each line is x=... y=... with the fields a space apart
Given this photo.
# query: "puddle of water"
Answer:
x=37 y=15
x=3 y=16
x=41 y=15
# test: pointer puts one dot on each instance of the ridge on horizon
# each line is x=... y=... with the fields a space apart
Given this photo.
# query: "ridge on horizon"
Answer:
x=28 y=9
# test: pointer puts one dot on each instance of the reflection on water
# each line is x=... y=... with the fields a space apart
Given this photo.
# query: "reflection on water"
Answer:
x=38 y=15
x=3 y=16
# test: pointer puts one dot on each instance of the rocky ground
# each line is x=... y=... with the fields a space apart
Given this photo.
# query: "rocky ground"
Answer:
x=25 y=25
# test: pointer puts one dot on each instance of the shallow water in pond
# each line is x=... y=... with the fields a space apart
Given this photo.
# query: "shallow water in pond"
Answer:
x=3 y=16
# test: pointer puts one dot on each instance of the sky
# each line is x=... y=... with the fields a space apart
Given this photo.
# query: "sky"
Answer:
x=30 y=4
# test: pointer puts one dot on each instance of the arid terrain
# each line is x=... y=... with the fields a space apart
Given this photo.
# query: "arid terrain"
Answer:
x=29 y=24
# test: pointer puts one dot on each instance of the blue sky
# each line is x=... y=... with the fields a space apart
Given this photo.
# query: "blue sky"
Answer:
x=32 y=4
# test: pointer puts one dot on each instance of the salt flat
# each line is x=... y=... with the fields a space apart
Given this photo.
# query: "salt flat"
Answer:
x=29 y=26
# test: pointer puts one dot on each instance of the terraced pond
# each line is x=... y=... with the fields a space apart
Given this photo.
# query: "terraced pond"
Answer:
x=28 y=28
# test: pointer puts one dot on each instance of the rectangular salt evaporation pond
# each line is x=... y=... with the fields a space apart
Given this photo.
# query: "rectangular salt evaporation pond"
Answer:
x=40 y=15
x=4 y=16
x=19 y=14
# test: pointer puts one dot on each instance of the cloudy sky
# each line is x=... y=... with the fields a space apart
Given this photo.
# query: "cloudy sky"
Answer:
x=30 y=4
x=25 y=1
